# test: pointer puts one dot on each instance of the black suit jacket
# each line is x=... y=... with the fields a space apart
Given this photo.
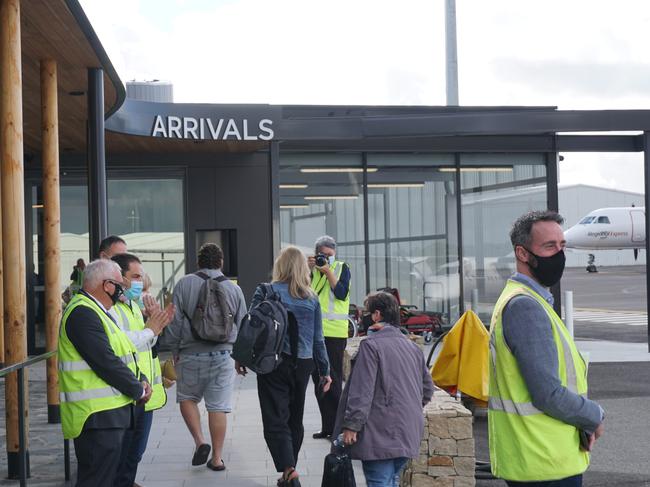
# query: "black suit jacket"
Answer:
x=86 y=332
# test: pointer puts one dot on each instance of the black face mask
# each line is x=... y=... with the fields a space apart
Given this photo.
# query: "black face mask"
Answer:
x=548 y=270
x=116 y=294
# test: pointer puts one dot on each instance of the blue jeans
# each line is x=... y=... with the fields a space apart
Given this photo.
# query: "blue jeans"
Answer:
x=575 y=481
x=133 y=447
x=383 y=473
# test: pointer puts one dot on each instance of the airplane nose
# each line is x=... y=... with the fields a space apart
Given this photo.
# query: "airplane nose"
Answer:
x=569 y=236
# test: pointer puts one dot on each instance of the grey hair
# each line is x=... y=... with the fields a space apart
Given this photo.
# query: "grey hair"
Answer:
x=325 y=241
x=99 y=270
x=522 y=227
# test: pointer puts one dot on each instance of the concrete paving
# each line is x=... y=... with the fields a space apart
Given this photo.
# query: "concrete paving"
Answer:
x=619 y=379
x=167 y=460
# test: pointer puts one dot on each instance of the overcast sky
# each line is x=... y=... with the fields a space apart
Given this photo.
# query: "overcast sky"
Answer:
x=578 y=54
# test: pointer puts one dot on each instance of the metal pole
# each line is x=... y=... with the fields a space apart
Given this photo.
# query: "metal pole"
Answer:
x=366 y=224
x=22 y=447
x=97 y=205
x=553 y=203
x=646 y=175
x=568 y=311
x=475 y=300
x=451 y=53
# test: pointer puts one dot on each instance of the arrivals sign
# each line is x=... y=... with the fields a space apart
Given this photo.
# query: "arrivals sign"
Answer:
x=207 y=128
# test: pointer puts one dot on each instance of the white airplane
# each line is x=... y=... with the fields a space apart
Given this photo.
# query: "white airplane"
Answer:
x=609 y=228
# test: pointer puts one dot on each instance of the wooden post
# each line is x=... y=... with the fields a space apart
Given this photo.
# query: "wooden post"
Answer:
x=52 y=230
x=13 y=215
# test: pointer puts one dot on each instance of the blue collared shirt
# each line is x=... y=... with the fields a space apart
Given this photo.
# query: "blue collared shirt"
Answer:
x=544 y=292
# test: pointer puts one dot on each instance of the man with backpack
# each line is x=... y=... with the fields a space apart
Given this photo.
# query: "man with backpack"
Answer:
x=209 y=308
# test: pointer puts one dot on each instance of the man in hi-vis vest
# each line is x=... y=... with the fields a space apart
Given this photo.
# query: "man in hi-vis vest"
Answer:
x=99 y=379
x=541 y=424
x=144 y=337
x=330 y=280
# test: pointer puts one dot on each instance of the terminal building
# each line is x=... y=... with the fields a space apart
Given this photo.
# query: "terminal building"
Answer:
x=418 y=198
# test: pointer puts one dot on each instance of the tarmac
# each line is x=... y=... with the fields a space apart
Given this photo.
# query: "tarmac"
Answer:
x=619 y=379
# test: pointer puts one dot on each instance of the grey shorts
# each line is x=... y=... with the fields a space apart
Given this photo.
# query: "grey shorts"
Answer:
x=207 y=375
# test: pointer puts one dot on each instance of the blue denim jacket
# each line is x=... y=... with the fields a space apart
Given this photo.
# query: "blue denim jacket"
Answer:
x=311 y=343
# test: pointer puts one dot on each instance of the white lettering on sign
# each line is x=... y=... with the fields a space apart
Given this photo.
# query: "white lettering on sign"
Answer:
x=172 y=127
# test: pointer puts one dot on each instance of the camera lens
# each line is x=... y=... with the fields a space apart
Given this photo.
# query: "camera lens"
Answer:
x=321 y=260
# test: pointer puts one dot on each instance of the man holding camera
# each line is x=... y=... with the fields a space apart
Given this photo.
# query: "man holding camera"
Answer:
x=330 y=280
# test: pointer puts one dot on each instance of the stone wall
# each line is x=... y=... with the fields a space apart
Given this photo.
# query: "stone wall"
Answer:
x=447 y=449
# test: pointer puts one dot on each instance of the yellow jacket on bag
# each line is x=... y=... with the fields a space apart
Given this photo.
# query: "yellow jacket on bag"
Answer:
x=334 y=311
x=132 y=320
x=82 y=392
x=463 y=360
x=526 y=444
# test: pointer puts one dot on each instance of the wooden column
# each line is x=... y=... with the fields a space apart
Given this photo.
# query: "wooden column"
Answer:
x=52 y=230
x=13 y=214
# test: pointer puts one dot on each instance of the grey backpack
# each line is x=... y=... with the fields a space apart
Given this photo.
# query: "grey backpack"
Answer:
x=212 y=319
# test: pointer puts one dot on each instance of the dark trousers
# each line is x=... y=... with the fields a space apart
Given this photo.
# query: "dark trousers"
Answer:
x=329 y=402
x=133 y=447
x=575 y=481
x=98 y=456
x=282 y=401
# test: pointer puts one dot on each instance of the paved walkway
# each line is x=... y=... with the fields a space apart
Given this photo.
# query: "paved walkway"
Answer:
x=167 y=460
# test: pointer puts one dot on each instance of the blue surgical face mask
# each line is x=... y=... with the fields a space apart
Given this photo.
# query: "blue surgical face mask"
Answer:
x=330 y=260
x=135 y=291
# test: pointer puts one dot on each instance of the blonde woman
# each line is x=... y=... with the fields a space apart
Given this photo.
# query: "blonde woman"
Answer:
x=282 y=392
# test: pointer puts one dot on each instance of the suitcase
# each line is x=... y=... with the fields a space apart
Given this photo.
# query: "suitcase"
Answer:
x=337 y=471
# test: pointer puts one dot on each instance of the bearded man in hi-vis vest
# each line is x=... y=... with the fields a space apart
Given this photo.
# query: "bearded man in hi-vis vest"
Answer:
x=541 y=424
x=330 y=280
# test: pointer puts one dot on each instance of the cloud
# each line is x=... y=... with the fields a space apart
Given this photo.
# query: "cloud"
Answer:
x=578 y=54
x=568 y=79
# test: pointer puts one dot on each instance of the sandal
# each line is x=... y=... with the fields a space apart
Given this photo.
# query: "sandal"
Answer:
x=216 y=468
x=289 y=479
x=201 y=454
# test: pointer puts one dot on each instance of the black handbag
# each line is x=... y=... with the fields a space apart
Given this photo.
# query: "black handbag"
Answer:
x=338 y=471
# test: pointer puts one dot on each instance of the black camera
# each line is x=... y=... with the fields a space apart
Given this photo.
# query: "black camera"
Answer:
x=321 y=260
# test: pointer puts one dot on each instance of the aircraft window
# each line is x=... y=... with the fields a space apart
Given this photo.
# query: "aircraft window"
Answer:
x=603 y=219
x=587 y=219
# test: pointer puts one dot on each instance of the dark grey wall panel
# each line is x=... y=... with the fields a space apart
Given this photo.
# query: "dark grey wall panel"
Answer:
x=233 y=193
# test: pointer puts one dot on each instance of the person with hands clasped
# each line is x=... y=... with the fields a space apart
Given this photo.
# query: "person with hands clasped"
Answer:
x=282 y=392
x=99 y=378
x=541 y=424
x=330 y=280
x=144 y=337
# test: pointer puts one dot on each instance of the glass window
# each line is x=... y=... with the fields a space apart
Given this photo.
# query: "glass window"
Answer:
x=587 y=220
x=413 y=229
x=148 y=214
x=603 y=219
x=495 y=190
x=321 y=194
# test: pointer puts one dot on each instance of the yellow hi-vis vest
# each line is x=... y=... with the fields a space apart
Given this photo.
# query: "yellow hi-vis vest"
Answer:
x=132 y=320
x=82 y=392
x=526 y=444
x=334 y=311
